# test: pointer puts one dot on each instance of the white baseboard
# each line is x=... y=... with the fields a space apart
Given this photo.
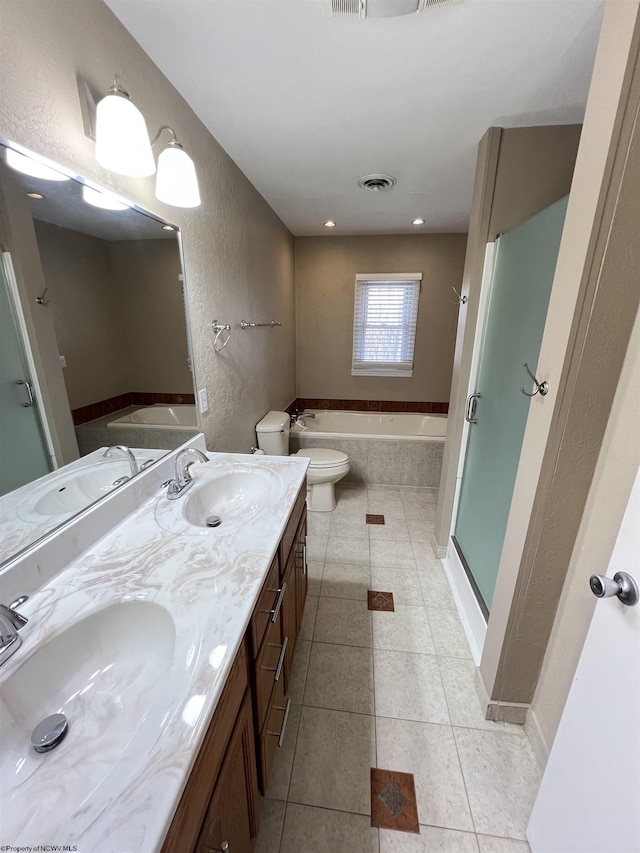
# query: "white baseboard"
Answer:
x=439 y=550
x=473 y=620
x=536 y=739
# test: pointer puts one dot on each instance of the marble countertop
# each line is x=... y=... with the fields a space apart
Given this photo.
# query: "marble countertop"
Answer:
x=114 y=783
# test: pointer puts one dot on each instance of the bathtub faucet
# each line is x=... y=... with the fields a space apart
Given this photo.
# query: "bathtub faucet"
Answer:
x=133 y=465
x=300 y=416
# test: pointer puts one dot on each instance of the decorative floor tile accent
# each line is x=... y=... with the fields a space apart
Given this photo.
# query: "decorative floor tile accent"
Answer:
x=380 y=601
x=375 y=519
x=393 y=801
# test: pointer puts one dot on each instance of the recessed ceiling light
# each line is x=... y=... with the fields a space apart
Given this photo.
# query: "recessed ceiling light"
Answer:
x=418 y=221
x=103 y=200
x=35 y=195
x=329 y=223
x=33 y=168
x=169 y=228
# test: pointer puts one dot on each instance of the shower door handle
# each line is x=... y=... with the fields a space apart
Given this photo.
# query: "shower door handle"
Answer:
x=29 y=388
x=472 y=404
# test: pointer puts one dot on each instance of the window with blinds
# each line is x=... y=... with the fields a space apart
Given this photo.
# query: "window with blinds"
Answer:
x=384 y=324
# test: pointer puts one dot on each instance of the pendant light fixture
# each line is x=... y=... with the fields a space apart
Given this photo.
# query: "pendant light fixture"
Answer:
x=122 y=140
x=123 y=146
x=176 y=181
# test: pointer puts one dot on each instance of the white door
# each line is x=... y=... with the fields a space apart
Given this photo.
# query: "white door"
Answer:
x=589 y=799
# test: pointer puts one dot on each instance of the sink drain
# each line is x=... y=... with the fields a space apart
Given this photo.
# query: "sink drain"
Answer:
x=49 y=733
x=214 y=521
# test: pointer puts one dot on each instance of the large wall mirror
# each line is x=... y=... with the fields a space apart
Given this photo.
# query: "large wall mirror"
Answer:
x=95 y=346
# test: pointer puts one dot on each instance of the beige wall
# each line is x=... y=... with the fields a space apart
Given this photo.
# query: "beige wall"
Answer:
x=238 y=254
x=519 y=172
x=591 y=312
x=325 y=274
x=77 y=270
x=535 y=168
x=118 y=313
x=607 y=501
x=151 y=315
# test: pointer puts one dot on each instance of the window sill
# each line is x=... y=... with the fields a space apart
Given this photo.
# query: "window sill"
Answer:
x=405 y=374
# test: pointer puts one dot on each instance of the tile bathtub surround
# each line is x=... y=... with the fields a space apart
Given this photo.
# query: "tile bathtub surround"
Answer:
x=122 y=401
x=392 y=462
x=409 y=673
x=372 y=405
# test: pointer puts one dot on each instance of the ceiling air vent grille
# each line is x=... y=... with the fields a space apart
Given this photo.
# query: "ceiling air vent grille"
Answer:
x=344 y=8
x=376 y=183
x=378 y=8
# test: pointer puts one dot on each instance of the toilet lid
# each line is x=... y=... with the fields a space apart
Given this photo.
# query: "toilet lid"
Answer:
x=320 y=457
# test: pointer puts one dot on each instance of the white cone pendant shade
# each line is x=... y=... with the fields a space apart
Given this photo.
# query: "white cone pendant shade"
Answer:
x=176 y=181
x=122 y=140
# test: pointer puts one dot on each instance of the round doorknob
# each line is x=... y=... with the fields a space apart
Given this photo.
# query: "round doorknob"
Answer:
x=622 y=585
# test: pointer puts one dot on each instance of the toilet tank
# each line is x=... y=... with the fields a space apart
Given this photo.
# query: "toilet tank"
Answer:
x=273 y=434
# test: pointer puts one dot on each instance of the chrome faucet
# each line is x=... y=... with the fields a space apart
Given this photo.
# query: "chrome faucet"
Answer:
x=297 y=416
x=183 y=478
x=133 y=465
x=10 y=623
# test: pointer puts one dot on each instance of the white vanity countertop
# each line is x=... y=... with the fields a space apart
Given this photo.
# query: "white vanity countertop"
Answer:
x=132 y=743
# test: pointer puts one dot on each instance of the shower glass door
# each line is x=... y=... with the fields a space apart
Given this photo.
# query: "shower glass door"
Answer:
x=525 y=263
x=24 y=452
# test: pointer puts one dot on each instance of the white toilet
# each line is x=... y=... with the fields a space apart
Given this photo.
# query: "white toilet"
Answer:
x=326 y=467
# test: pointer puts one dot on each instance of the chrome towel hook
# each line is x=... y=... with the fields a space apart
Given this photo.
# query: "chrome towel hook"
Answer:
x=461 y=300
x=541 y=388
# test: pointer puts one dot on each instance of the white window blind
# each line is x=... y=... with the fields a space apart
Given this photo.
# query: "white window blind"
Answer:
x=384 y=324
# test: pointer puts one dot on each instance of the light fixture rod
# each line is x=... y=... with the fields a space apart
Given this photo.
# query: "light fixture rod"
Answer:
x=174 y=138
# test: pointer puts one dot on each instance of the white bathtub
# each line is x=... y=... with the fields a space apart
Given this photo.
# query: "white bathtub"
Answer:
x=394 y=449
x=159 y=417
x=374 y=426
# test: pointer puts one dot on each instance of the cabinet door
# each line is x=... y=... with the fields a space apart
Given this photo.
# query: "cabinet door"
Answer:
x=290 y=616
x=232 y=813
x=302 y=580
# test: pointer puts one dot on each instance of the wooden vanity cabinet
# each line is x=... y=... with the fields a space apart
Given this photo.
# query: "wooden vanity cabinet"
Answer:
x=220 y=801
x=231 y=816
x=228 y=743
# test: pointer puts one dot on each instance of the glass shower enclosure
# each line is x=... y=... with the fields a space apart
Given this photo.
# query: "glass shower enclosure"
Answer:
x=524 y=268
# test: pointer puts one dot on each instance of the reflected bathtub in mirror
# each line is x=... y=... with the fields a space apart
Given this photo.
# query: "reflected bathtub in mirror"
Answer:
x=94 y=303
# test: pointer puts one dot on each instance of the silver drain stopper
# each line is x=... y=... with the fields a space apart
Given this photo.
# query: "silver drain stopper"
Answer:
x=214 y=521
x=49 y=733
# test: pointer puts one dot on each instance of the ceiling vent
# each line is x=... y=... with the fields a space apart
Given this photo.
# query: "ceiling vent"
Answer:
x=376 y=183
x=378 y=8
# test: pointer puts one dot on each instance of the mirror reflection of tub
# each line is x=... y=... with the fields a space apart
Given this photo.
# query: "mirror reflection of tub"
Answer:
x=160 y=426
x=95 y=301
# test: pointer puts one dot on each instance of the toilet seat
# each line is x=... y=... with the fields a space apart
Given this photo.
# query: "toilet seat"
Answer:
x=321 y=457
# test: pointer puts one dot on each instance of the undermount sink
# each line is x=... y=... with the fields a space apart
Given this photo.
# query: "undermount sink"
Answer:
x=106 y=674
x=73 y=491
x=235 y=496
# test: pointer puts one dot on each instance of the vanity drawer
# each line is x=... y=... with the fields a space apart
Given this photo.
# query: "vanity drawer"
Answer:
x=273 y=733
x=269 y=668
x=289 y=534
x=264 y=609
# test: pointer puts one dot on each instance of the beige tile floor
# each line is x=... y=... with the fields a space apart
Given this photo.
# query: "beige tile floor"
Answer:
x=390 y=690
